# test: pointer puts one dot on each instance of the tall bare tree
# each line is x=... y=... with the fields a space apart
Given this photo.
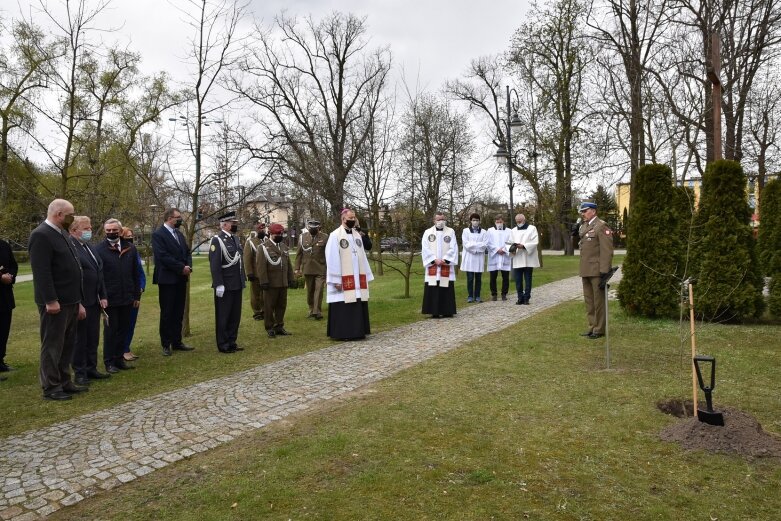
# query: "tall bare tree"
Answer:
x=317 y=87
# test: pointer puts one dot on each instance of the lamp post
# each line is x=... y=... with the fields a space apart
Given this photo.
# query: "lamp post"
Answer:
x=505 y=155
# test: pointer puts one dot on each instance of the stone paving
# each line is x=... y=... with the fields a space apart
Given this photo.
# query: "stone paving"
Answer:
x=44 y=470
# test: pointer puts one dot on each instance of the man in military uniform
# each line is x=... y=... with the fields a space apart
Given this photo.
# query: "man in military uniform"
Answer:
x=310 y=261
x=228 y=282
x=596 y=256
x=250 y=253
x=275 y=274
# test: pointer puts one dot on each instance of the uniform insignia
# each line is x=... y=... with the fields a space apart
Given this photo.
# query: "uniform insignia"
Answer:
x=432 y=238
x=447 y=239
x=607 y=232
x=343 y=243
x=359 y=243
x=213 y=248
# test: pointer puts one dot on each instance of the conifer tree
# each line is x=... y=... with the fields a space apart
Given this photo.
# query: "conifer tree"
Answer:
x=769 y=244
x=729 y=282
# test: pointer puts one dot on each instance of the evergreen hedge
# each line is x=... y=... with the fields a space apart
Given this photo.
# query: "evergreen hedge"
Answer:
x=769 y=243
x=654 y=262
x=729 y=282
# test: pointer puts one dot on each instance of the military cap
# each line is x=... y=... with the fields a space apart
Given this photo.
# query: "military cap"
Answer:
x=230 y=216
x=276 y=229
x=586 y=206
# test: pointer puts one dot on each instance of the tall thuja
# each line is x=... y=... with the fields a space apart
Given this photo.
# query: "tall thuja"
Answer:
x=729 y=282
x=654 y=260
x=769 y=244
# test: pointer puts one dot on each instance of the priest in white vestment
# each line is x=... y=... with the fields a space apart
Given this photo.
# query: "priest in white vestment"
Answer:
x=439 y=251
x=347 y=281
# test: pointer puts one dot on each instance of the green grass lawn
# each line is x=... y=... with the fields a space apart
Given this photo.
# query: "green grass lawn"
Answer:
x=20 y=395
x=523 y=424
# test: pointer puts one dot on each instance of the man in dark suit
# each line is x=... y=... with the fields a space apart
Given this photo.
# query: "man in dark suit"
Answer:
x=85 y=355
x=123 y=292
x=173 y=265
x=8 y=269
x=57 y=287
x=227 y=271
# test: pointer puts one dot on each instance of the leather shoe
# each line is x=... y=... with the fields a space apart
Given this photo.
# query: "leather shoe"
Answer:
x=4 y=368
x=271 y=333
x=592 y=336
x=493 y=298
x=166 y=350
x=237 y=348
x=586 y=333
x=57 y=396
x=97 y=375
x=518 y=302
x=183 y=347
x=74 y=389
x=282 y=332
x=318 y=317
x=111 y=369
x=226 y=351
x=504 y=297
x=123 y=366
x=81 y=380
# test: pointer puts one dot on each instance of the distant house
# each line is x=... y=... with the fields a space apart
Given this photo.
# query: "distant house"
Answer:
x=270 y=209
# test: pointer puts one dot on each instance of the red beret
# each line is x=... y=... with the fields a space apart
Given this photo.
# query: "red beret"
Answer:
x=276 y=229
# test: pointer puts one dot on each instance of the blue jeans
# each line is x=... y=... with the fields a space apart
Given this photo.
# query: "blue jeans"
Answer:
x=474 y=281
x=523 y=279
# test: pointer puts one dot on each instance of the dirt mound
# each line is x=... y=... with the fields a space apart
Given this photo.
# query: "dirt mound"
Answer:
x=741 y=434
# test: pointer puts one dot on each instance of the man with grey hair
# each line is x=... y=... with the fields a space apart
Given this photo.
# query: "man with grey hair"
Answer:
x=123 y=292
x=58 y=294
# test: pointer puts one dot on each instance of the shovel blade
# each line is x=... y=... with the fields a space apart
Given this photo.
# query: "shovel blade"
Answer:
x=710 y=417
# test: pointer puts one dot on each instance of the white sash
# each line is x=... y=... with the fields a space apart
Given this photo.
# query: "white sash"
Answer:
x=346 y=263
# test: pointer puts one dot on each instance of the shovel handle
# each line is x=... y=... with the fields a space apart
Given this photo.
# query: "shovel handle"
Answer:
x=694 y=348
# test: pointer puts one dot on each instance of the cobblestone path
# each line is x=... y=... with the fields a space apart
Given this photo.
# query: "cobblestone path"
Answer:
x=43 y=470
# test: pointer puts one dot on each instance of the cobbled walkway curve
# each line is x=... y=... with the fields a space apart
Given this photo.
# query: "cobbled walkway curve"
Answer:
x=46 y=469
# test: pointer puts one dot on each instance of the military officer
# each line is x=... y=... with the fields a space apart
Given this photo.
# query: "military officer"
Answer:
x=250 y=252
x=228 y=282
x=275 y=274
x=310 y=261
x=596 y=256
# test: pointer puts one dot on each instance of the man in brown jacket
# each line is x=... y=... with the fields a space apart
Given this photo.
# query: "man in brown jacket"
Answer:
x=310 y=261
x=596 y=256
x=275 y=274
x=250 y=255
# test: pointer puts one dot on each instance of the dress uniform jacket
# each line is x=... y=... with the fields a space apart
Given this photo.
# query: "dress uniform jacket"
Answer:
x=251 y=246
x=310 y=256
x=275 y=273
x=233 y=276
x=596 y=248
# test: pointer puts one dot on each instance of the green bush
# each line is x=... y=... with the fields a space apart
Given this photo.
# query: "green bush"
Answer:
x=21 y=256
x=769 y=243
x=730 y=282
x=654 y=262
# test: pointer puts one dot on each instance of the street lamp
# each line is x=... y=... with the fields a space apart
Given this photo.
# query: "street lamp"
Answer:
x=504 y=156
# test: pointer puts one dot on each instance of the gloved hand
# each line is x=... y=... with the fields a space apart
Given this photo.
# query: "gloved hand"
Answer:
x=603 y=278
x=251 y=278
x=264 y=286
x=219 y=291
x=293 y=284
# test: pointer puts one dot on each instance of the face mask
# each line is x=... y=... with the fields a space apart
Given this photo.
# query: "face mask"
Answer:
x=178 y=223
x=314 y=231
x=112 y=237
x=234 y=228
x=475 y=224
x=86 y=235
x=277 y=238
x=440 y=224
x=519 y=223
x=261 y=235
x=67 y=220
x=499 y=226
x=349 y=223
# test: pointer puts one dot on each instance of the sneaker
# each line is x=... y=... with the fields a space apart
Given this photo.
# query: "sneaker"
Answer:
x=469 y=299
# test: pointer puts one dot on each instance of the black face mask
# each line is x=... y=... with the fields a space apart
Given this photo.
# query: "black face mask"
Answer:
x=234 y=228
x=261 y=235
x=276 y=238
x=112 y=236
x=178 y=223
x=314 y=231
x=349 y=223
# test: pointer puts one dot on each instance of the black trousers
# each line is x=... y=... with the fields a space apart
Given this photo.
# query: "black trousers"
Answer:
x=171 y=298
x=85 y=355
x=523 y=278
x=58 y=339
x=5 y=330
x=275 y=305
x=115 y=334
x=227 y=317
x=505 y=281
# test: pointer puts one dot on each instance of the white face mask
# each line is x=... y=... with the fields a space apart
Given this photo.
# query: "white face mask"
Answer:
x=475 y=223
x=440 y=224
x=499 y=226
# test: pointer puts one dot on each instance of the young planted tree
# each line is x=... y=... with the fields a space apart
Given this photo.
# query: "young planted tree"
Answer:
x=729 y=279
x=769 y=244
x=655 y=248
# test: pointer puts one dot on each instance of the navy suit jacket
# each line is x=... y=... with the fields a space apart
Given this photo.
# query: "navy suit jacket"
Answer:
x=56 y=266
x=171 y=256
x=8 y=263
x=92 y=274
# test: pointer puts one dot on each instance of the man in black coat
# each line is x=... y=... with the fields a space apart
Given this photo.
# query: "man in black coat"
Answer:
x=57 y=287
x=225 y=263
x=173 y=265
x=85 y=356
x=123 y=292
x=8 y=269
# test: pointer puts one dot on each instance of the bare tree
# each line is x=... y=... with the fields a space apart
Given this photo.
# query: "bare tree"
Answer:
x=317 y=88
x=764 y=126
